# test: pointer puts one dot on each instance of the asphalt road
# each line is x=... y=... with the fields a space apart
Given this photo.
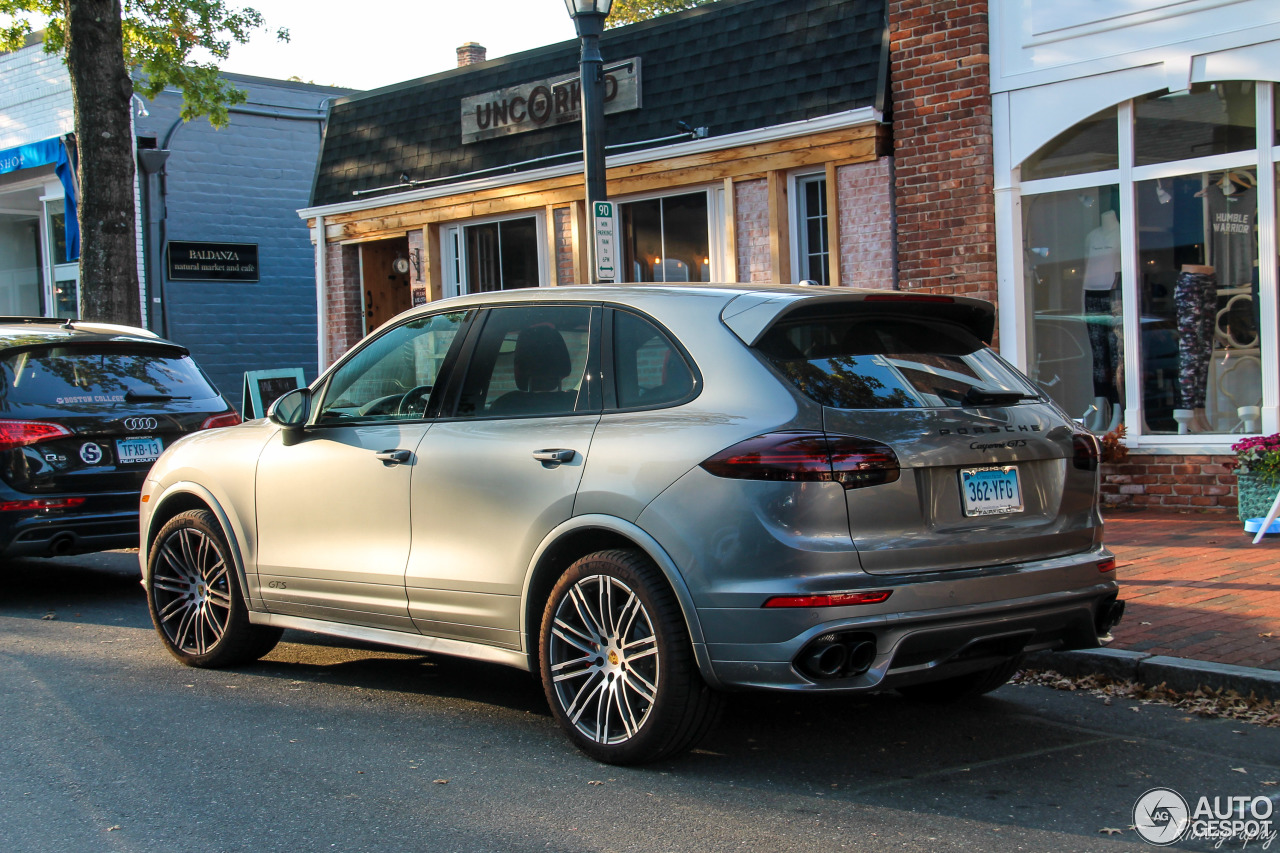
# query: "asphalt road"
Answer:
x=109 y=744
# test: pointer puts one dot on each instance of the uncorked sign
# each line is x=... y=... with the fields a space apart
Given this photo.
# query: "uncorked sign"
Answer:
x=545 y=103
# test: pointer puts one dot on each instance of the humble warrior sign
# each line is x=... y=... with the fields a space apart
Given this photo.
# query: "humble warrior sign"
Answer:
x=545 y=103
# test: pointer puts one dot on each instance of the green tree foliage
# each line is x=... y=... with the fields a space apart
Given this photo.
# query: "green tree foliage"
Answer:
x=631 y=11
x=160 y=38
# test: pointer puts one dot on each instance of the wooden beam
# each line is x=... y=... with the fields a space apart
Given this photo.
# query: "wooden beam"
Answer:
x=578 y=225
x=553 y=253
x=730 y=232
x=779 y=230
x=833 y=227
x=433 y=262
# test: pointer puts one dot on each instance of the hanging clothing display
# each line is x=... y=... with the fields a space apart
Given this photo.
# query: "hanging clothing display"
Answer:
x=1232 y=217
x=1101 y=293
x=1195 y=299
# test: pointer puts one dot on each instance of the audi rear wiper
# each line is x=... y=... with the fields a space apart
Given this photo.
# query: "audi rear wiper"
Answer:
x=135 y=396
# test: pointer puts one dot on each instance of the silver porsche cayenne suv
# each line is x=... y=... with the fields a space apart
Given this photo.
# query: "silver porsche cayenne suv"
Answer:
x=650 y=496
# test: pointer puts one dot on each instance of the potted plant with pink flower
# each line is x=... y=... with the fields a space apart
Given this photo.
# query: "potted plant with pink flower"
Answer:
x=1257 y=467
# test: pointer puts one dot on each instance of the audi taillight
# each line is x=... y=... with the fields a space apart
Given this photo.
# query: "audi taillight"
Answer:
x=225 y=419
x=1085 y=451
x=800 y=457
x=40 y=503
x=21 y=433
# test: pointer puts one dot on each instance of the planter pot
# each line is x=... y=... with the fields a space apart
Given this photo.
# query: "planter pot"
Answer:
x=1255 y=496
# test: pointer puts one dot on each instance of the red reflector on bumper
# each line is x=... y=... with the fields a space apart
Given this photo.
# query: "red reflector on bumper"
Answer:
x=41 y=503
x=839 y=599
x=1108 y=565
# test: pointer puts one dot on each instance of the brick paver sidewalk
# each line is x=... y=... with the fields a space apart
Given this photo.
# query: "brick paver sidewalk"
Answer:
x=1196 y=587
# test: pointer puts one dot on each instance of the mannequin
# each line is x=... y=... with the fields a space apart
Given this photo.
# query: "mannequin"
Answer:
x=1101 y=295
x=1195 y=299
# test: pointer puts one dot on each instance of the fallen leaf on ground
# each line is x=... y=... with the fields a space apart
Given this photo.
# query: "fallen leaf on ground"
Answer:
x=1111 y=830
x=1240 y=770
x=595 y=782
x=442 y=781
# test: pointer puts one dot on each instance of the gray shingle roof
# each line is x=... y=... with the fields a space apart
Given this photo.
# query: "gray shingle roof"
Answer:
x=731 y=66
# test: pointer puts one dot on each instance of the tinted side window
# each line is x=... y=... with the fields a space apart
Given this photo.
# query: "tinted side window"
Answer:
x=94 y=377
x=393 y=375
x=529 y=361
x=647 y=368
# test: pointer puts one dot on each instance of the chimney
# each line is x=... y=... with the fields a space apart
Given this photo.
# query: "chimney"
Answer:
x=470 y=54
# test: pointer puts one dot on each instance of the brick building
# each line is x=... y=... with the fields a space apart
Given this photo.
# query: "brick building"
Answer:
x=197 y=186
x=1080 y=165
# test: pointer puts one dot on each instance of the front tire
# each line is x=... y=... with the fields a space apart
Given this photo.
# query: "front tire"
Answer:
x=617 y=665
x=195 y=599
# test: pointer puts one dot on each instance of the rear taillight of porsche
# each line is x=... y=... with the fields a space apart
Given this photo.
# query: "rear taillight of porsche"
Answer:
x=802 y=457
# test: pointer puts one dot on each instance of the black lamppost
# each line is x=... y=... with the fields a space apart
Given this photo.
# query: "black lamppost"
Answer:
x=588 y=17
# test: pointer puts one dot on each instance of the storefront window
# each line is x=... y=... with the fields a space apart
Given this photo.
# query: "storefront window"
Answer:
x=1198 y=252
x=1211 y=118
x=1073 y=276
x=1090 y=146
x=502 y=255
x=66 y=271
x=666 y=239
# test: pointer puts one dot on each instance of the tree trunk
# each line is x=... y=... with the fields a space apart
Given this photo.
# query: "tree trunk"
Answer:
x=101 y=90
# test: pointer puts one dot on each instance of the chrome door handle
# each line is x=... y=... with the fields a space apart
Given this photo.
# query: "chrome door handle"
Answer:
x=394 y=457
x=554 y=456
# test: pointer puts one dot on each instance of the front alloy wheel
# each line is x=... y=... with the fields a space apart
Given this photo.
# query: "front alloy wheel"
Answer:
x=616 y=662
x=194 y=596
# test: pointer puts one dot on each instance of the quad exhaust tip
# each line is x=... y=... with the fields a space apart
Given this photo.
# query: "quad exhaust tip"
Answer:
x=837 y=656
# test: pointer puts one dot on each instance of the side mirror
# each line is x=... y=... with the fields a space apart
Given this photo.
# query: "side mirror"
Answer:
x=291 y=410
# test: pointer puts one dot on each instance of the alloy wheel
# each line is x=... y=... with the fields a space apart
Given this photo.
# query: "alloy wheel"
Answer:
x=192 y=589
x=604 y=659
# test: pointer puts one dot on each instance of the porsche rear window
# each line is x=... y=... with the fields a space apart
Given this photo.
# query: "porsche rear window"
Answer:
x=85 y=378
x=874 y=360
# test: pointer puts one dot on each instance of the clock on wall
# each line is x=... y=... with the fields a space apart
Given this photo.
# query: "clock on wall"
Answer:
x=400 y=265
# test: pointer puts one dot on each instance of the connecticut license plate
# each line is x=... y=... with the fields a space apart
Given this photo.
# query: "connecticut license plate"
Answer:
x=145 y=449
x=990 y=491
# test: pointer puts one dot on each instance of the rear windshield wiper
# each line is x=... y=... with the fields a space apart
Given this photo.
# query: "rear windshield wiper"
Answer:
x=979 y=396
x=136 y=396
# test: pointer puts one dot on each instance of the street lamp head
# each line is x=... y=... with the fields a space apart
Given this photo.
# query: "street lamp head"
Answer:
x=588 y=7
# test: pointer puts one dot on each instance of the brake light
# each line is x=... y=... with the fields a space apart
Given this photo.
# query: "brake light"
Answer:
x=41 y=503
x=839 y=599
x=225 y=419
x=800 y=457
x=21 y=433
x=907 y=297
x=1085 y=451
x=1107 y=565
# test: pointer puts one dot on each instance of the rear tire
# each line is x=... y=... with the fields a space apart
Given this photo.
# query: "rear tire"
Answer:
x=617 y=665
x=963 y=686
x=195 y=599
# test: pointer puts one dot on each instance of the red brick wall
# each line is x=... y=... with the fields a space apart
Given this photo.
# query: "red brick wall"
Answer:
x=751 y=230
x=345 y=325
x=563 y=229
x=1171 y=482
x=941 y=93
x=864 y=193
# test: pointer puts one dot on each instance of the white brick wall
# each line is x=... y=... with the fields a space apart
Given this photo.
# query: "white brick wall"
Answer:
x=35 y=97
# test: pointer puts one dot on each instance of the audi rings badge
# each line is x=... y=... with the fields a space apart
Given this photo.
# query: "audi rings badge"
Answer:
x=140 y=424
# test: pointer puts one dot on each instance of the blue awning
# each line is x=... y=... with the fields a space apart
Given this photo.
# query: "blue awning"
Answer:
x=42 y=154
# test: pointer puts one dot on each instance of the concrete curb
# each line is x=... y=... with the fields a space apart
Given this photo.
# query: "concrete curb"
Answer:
x=1181 y=674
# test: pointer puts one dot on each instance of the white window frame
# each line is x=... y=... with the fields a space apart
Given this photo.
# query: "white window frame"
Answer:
x=1264 y=157
x=717 y=244
x=799 y=233
x=454 y=281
